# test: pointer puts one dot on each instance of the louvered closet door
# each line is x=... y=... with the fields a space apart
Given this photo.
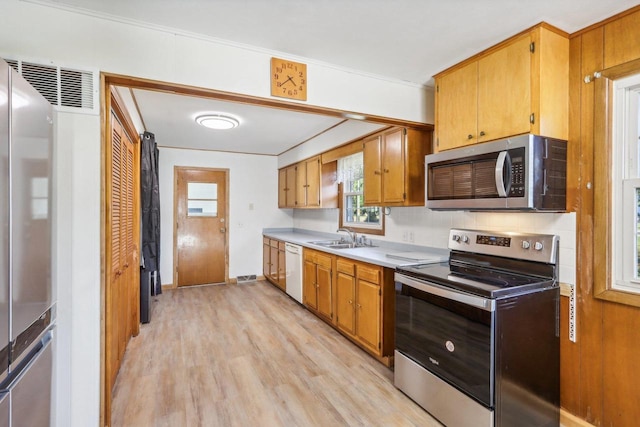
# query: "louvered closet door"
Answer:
x=120 y=293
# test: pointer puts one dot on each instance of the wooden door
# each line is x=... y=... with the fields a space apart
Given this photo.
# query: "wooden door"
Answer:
x=457 y=108
x=273 y=260
x=368 y=314
x=266 y=252
x=282 y=270
x=312 y=186
x=372 y=157
x=291 y=187
x=201 y=226
x=504 y=91
x=310 y=290
x=122 y=215
x=345 y=299
x=324 y=280
x=282 y=188
x=393 y=168
x=301 y=185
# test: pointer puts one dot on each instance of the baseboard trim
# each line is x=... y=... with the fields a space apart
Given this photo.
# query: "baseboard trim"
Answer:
x=168 y=287
x=569 y=420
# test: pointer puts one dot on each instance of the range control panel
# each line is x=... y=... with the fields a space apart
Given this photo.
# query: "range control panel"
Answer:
x=532 y=247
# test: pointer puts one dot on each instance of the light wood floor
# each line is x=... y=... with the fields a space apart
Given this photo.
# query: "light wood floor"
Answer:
x=248 y=355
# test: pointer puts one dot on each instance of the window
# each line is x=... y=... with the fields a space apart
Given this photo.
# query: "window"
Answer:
x=202 y=199
x=364 y=219
x=625 y=152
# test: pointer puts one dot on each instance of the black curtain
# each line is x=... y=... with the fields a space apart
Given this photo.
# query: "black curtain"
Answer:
x=150 y=198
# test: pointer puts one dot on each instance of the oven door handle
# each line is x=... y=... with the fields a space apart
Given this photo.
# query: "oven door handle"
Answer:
x=473 y=300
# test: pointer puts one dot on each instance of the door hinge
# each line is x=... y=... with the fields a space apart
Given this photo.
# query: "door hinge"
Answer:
x=437 y=142
x=532 y=47
x=379 y=292
x=379 y=345
x=437 y=88
x=532 y=118
x=404 y=130
x=404 y=196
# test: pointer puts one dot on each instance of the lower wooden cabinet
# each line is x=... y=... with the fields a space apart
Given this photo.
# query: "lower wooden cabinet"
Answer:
x=356 y=298
x=358 y=302
x=273 y=262
x=317 y=280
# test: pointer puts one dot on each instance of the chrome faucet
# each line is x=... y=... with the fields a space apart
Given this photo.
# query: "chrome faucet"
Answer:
x=352 y=234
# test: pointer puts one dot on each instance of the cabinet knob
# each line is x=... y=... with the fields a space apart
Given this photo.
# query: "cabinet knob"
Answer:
x=376 y=172
x=482 y=133
x=386 y=171
x=469 y=136
x=350 y=301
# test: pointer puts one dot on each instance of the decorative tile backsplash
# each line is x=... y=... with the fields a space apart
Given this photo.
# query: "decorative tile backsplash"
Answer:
x=422 y=226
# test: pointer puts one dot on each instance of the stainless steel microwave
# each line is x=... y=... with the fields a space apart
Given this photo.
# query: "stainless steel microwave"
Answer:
x=525 y=172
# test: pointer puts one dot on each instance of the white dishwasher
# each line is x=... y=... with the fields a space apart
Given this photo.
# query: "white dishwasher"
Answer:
x=294 y=271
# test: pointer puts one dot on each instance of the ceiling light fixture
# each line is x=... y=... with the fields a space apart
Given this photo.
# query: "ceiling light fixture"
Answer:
x=218 y=121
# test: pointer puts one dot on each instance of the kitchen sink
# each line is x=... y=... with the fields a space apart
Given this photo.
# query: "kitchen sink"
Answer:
x=338 y=244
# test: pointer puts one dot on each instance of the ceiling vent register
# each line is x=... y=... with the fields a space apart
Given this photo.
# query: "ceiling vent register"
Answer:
x=63 y=87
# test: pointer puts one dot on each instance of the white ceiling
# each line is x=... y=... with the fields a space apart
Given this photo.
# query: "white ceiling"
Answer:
x=262 y=130
x=407 y=40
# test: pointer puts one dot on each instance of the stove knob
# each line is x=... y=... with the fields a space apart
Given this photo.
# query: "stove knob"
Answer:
x=465 y=239
x=537 y=246
x=455 y=238
x=526 y=244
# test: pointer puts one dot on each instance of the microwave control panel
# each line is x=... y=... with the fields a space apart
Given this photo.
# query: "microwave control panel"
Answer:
x=518 y=168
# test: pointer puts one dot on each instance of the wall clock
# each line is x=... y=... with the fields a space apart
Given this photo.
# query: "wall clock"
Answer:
x=288 y=79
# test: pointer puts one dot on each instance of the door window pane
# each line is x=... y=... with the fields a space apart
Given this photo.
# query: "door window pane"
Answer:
x=202 y=199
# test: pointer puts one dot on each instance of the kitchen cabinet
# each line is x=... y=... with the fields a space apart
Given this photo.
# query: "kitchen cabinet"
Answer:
x=308 y=184
x=518 y=86
x=273 y=262
x=358 y=302
x=394 y=167
x=287 y=187
x=317 y=279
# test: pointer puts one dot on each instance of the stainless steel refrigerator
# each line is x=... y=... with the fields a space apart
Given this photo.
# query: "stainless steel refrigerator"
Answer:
x=27 y=303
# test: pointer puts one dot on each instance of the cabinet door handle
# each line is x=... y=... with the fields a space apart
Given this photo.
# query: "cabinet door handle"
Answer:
x=350 y=301
x=469 y=136
x=386 y=171
x=482 y=133
x=376 y=173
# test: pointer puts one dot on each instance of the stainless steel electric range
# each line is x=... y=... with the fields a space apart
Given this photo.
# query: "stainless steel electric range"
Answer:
x=477 y=338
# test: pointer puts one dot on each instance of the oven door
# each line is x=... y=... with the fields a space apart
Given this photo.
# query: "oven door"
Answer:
x=448 y=333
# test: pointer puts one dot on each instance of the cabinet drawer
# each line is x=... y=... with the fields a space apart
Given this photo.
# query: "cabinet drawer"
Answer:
x=265 y=240
x=370 y=274
x=323 y=260
x=273 y=243
x=346 y=267
x=281 y=246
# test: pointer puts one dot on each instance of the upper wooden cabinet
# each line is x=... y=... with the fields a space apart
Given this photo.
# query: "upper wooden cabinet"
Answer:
x=287 y=187
x=519 y=86
x=308 y=184
x=394 y=167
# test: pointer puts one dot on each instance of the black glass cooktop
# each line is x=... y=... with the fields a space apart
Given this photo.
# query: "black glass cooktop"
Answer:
x=478 y=279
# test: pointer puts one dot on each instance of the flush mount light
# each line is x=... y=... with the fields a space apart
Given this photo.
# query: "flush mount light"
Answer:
x=217 y=121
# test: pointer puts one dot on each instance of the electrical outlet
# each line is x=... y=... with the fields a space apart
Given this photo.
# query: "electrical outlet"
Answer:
x=405 y=236
x=411 y=236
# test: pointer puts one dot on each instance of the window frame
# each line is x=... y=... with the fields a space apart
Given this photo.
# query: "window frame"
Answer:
x=604 y=200
x=357 y=227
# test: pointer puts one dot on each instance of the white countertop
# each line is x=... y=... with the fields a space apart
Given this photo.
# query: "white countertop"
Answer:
x=386 y=254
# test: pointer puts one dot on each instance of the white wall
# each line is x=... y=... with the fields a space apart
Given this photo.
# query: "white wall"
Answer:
x=253 y=205
x=425 y=227
x=32 y=31
x=76 y=195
